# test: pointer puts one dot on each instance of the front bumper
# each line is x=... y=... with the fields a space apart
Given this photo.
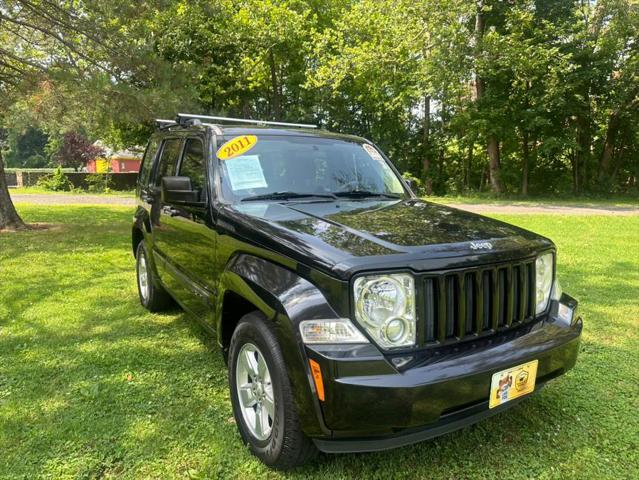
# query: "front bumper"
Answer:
x=375 y=402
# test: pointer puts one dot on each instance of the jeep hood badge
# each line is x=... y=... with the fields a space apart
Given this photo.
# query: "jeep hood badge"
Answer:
x=481 y=246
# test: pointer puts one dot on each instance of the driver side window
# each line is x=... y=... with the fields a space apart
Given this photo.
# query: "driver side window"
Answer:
x=193 y=165
x=168 y=159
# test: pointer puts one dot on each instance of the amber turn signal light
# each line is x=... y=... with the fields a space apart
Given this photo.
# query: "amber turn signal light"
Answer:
x=317 y=377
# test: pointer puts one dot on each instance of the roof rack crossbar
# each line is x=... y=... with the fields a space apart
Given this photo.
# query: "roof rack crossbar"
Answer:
x=161 y=123
x=245 y=120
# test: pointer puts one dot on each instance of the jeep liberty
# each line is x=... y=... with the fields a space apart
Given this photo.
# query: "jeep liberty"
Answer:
x=353 y=315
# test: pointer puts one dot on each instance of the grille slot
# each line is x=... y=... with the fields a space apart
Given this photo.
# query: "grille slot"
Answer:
x=476 y=302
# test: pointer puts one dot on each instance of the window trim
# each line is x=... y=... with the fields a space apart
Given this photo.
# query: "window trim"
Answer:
x=146 y=160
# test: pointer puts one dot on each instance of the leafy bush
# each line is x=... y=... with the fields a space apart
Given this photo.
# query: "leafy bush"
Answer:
x=56 y=181
x=99 y=182
x=36 y=161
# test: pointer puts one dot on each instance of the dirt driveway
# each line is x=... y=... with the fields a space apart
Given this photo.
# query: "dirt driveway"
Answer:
x=65 y=199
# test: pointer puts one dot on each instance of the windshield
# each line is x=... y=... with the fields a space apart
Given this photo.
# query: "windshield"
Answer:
x=287 y=167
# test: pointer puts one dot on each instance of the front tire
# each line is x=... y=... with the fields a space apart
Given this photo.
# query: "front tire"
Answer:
x=153 y=297
x=262 y=397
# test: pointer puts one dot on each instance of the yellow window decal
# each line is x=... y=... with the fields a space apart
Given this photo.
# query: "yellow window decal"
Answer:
x=236 y=146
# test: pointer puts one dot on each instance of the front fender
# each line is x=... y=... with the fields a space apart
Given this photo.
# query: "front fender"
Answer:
x=285 y=298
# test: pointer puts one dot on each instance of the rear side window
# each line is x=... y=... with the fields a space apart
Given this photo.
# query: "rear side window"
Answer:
x=193 y=164
x=168 y=159
x=147 y=162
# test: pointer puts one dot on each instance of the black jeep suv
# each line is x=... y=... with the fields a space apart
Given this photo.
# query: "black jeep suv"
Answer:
x=353 y=316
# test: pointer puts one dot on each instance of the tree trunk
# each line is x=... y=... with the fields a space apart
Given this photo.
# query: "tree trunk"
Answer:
x=469 y=166
x=483 y=182
x=492 y=146
x=428 y=181
x=493 y=162
x=276 y=109
x=525 y=154
x=605 y=159
x=9 y=218
x=480 y=85
x=582 y=155
x=575 y=172
x=246 y=107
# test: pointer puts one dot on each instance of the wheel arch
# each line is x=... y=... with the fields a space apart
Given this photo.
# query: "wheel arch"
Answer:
x=136 y=237
x=252 y=283
x=140 y=226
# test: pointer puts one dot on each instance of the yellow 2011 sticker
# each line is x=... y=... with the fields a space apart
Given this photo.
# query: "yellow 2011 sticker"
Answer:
x=237 y=146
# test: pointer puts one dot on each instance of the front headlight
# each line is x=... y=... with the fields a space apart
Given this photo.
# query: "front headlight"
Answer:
x=385 y=307
x=543 y=271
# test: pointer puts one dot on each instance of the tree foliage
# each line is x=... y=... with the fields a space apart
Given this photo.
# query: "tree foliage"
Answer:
x=525 y=96
x=26 y=148
x=76 y=150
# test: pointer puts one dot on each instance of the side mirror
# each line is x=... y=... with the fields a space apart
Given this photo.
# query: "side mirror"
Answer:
x=411 y=183
x=179 y=190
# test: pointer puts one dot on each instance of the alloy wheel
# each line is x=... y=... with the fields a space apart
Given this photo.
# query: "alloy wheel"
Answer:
x=143 y=277
x=255 y=391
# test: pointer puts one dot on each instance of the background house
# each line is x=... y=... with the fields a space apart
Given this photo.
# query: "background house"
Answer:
x=123 y=161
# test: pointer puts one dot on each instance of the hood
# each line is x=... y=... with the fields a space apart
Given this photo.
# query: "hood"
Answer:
x=346 y=234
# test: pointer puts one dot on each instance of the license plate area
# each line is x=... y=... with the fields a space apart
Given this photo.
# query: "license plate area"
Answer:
x=506 y=385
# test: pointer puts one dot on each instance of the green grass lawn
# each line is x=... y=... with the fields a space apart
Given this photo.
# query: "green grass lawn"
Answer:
x=93 y=386
x=42 y=191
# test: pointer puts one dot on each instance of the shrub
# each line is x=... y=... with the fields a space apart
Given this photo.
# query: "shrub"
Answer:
x=99 y=182
x=56 y=181
x=35 y=161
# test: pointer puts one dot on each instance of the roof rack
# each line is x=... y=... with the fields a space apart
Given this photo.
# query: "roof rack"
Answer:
x=161 y=123
x=242 y=120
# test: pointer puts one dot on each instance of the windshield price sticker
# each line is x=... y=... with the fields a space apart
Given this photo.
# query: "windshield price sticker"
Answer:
x=237 y=146
x=372 y=152
x=245 y=173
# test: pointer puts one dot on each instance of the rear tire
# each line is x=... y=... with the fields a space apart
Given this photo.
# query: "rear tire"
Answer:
x=153 y=297
x=261 y=383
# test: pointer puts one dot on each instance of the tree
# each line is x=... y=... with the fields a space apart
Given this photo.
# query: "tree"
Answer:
x=71 y=64
x=76 y=150
x=9 y=218
x=530 y=96
x=492 y=142
x=26 y=147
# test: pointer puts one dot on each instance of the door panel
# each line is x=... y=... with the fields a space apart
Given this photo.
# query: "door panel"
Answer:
x=162 y=232
x=187 y=238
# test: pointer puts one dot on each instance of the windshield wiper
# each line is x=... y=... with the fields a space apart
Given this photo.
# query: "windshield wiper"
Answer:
x=367 y=193
x=287 y=196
